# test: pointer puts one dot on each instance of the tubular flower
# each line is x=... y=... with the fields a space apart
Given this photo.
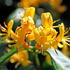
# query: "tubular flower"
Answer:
x=26 y=27
x=30 y=12
x=56 y=4
x=28 y=3
x=63 y=39
x=19 y=36
x=20 y=57
x=8 y=30
x=46 y=36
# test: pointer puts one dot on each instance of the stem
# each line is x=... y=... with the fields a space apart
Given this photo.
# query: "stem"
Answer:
x=7 y=55
x=37 y=61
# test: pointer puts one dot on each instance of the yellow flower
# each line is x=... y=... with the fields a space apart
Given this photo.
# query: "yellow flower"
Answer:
x=46 y=35
x=47 y=20
x=27 y=25
x=28 y=3
x=30 y=12
x=8 y=30
x=62 y=38
x=20 y=57
x=56 y=4
x=19 y=36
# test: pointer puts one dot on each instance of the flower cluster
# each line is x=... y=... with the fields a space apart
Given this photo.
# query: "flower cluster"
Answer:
x=46 y=36
x=21 y=57
x=56 y=4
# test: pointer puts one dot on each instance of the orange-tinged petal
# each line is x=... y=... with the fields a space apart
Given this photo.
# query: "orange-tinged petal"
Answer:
x=25 y=45
x=47 y=20
x=21 y=57
x=30 y=12
x=10 y=25
x=60 y=45
x=56 y=3
x=2 y=34
x=61 y=32
x=27 y=23
x=61 y=9
x=26 y=63
x=30 y=37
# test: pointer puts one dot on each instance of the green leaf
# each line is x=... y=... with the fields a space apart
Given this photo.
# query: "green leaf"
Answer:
x=59 y=61
x=7 y=55
x=2 y=47
x=47 y=66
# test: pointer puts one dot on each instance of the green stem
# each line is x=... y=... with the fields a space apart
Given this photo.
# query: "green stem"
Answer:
x=37 y=61
x=3 y=58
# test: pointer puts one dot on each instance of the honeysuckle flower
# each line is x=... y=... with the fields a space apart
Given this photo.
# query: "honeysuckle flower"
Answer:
x=28 y=3
x=62 y=38
x=8 y=30
x=56 y=4
x=30 y=12
x=26 y=27
x=27 y=24
x=21 y=57
x=46 y=36
x=47 y=20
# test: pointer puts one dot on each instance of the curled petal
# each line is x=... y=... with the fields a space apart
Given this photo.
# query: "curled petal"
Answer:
x=30 y=12
x=61 y=32
x=47 y=20
x=10 y=25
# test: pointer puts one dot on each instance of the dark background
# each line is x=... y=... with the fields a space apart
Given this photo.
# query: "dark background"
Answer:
x=6 y=9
